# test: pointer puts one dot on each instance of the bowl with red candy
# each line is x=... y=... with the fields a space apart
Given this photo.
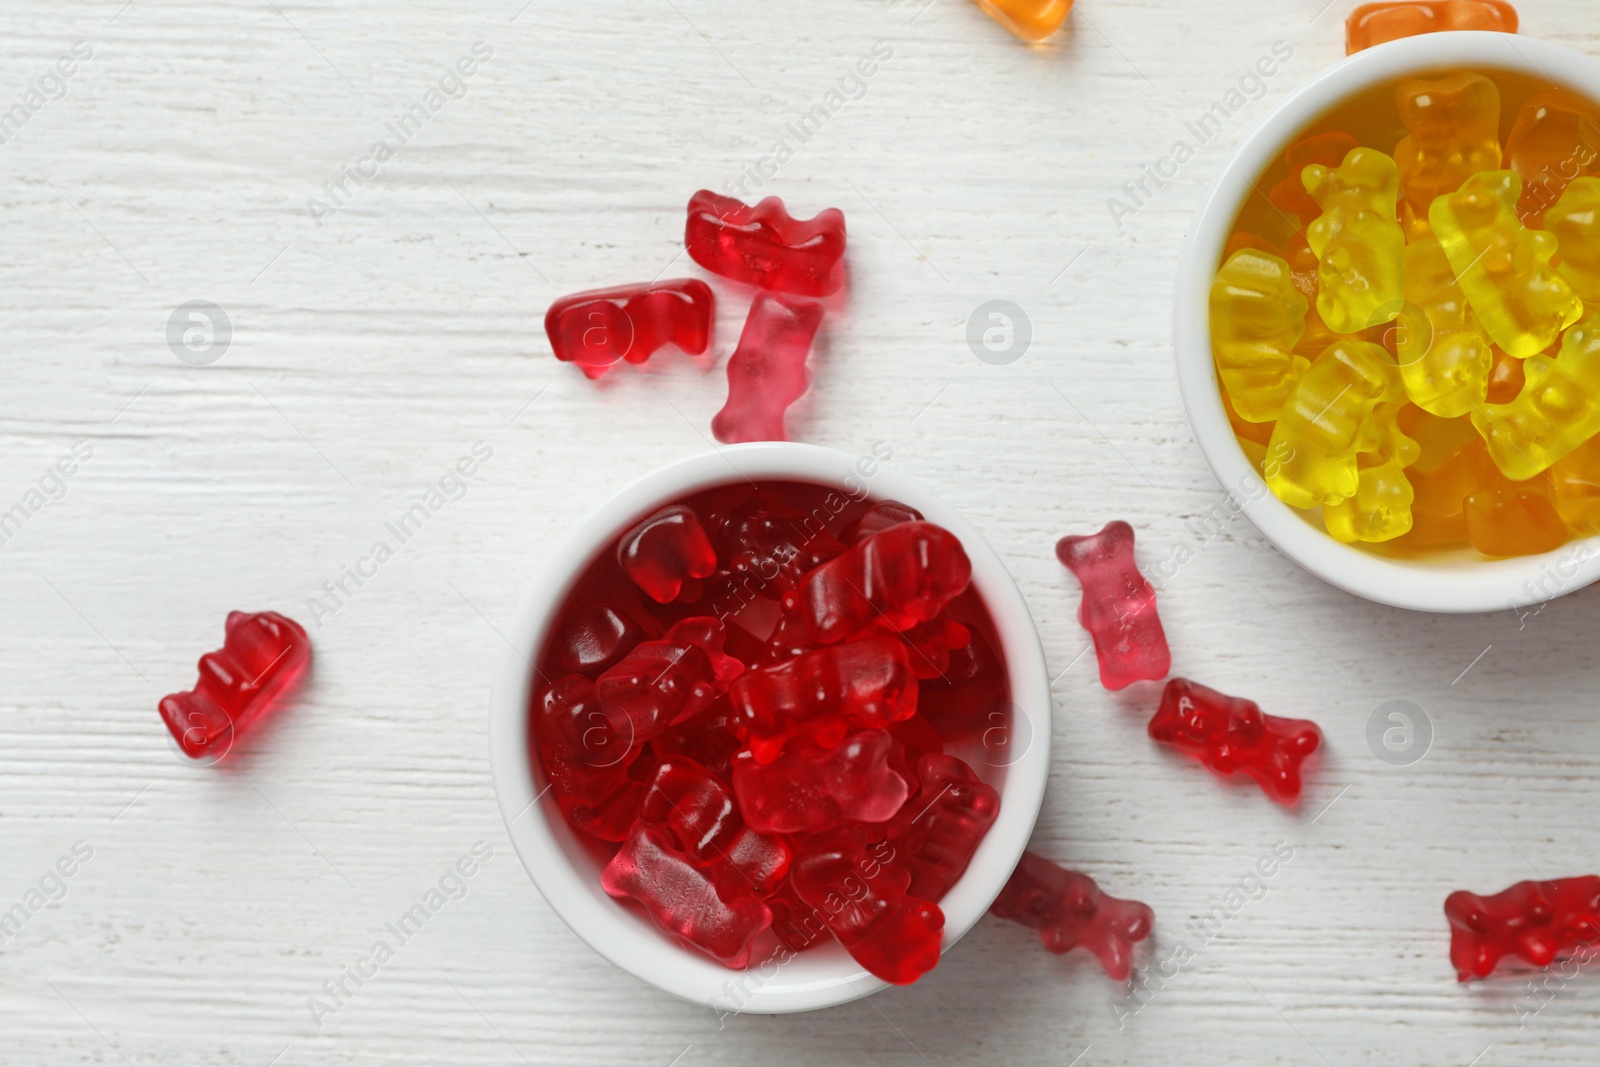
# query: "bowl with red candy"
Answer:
x=773 y=728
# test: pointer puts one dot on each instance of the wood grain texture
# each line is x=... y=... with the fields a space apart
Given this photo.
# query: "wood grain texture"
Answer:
x=371 y=351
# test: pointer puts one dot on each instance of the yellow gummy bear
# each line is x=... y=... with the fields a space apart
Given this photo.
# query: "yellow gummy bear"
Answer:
x=1453 y=132
x=1444 y=354
x=1333 y=417
x=1504 y=267
x=1358 y=240
x=1575 y=220
x=1557 y=410
x=1380 y=510
x=1257 y=316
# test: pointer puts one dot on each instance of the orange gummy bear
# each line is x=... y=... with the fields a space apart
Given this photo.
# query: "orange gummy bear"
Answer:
x=1031 y=20
x=1506 y=378
x=1555 y=139
x=1372 y=24
x=1575 y=480
x=1326 y=149
x=1507 y=518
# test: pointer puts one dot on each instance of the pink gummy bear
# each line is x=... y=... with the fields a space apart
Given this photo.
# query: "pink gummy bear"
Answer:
x=823 y=694
x=899 y=577
x=810 y=788
x=667 y=553
x=1070 y=911
x=1539 y=922
x=681 y=898
x=767 y=372
x=1118 y=607
x=1230 y=735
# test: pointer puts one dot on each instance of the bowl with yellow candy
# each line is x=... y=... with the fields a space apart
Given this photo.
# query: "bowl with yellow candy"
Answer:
x=1388 y=323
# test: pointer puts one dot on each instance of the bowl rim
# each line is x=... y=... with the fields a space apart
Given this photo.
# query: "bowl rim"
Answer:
x=613 y=931
x=1473 y=585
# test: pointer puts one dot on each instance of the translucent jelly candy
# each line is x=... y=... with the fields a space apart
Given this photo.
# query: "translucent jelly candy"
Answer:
x=899 y=577
x=866 y=906
x=596 y=637
x=681 y=898
x=585 y=759
x=261 y=655
x=1031 y=20
x=1380 y=510
x=810 y=788
x=662 y=683
x=1539 y=922
x=597 y=329
x=1575 y=220
x=1557 y=410
x=1444 y=355
x=932 y=643
x=971 y=696
x=1506 y=379
x=1327 y=149
x=1118 y=607
x=1507 y=518
x=1257 y=318
x=764 y=246
x=1555 y=139
x=768 y=547
x=937 y=832
x=1230 y=735
x=767 y=372
x=1575 y=482
x=1069 y=911
x=1331 y=418
x=1372 y=24
x=1357 y=240
x=689 y=800
x=822 y=695
x=1453 y=132
x=1503 y=267
x=879 y=517
x=666 y=553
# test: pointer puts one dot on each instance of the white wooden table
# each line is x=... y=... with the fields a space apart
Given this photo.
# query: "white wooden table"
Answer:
x=370 y=351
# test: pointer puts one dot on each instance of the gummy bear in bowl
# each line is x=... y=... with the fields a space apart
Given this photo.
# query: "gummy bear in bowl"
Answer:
x=1403 y=321
x=772 y=722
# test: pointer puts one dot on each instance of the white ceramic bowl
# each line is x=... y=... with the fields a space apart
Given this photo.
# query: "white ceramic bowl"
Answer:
x=1458 y=582
x=567 y=871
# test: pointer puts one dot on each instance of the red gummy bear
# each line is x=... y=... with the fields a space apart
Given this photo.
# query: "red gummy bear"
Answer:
x=681 y=898
x=1539 y=922
x=585 y=760
x=1118 y=607
x=767 y=372
x=1069 y=911
x=932 y=643
x=261 y=655
x=764 y=245
x=901 y=576
x=666 y=553
x=955 y=811
x=659 y=684
x=1325 y=149
x=971 y=696
x=811 y=788
x=767 y=546
x=687 y=799
x=866 y=905
x=879 y=517
x=821 y=695
x=595 y=638
x=1230 y=735
x=598 y=328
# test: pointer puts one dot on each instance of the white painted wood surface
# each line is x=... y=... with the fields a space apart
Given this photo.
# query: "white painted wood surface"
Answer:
x=373 y=350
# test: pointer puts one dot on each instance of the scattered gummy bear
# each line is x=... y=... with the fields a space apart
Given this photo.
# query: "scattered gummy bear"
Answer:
x=1444 y=355
x=1231 y=735
x=1031 y=20
x=261 y=656
x=1118 y=607
x=1357 y=240
x=1503 y=267
x=1069 y=911
x=1373 y=24
x=765 y=246
x=767 y=372
x=1557 y=410
x=1575 y=221
x=1329 y=421
x=1257 y=318
x=1453 y=132
x=1539 y=922
x=597 y=329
